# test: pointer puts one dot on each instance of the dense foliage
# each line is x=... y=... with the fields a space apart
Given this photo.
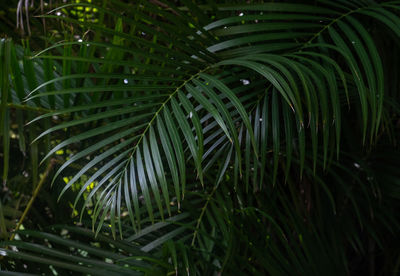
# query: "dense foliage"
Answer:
x=210 y=138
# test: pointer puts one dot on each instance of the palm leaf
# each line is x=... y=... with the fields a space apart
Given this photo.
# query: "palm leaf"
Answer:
x=200 y=92
x=232 y=114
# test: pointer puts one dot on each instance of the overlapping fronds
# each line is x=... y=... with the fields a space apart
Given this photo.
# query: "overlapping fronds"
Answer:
x=72 y=249
x=213 y=131
x=167 y=97
x=20 y=75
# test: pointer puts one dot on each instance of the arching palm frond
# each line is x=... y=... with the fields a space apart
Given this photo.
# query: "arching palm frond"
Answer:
x=163 y=83
x=211 y=133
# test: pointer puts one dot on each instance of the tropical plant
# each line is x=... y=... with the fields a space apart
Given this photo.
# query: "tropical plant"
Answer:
x=214 y=138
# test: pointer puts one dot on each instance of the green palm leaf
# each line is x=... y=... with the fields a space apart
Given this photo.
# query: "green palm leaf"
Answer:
x=201 y=93
x=191 y=122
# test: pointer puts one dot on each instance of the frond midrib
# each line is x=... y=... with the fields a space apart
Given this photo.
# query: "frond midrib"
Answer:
x=334 y=21
x=156 y=114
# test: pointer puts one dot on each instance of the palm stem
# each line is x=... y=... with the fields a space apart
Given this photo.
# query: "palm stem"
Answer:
x=29 y=108
x=34 y=195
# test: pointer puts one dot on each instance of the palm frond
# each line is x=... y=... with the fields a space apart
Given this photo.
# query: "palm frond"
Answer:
x=75 y=250
x=208 y=131
x=171 y=110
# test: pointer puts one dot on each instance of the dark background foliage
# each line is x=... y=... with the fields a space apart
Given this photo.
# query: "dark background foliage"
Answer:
x=200 y=138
